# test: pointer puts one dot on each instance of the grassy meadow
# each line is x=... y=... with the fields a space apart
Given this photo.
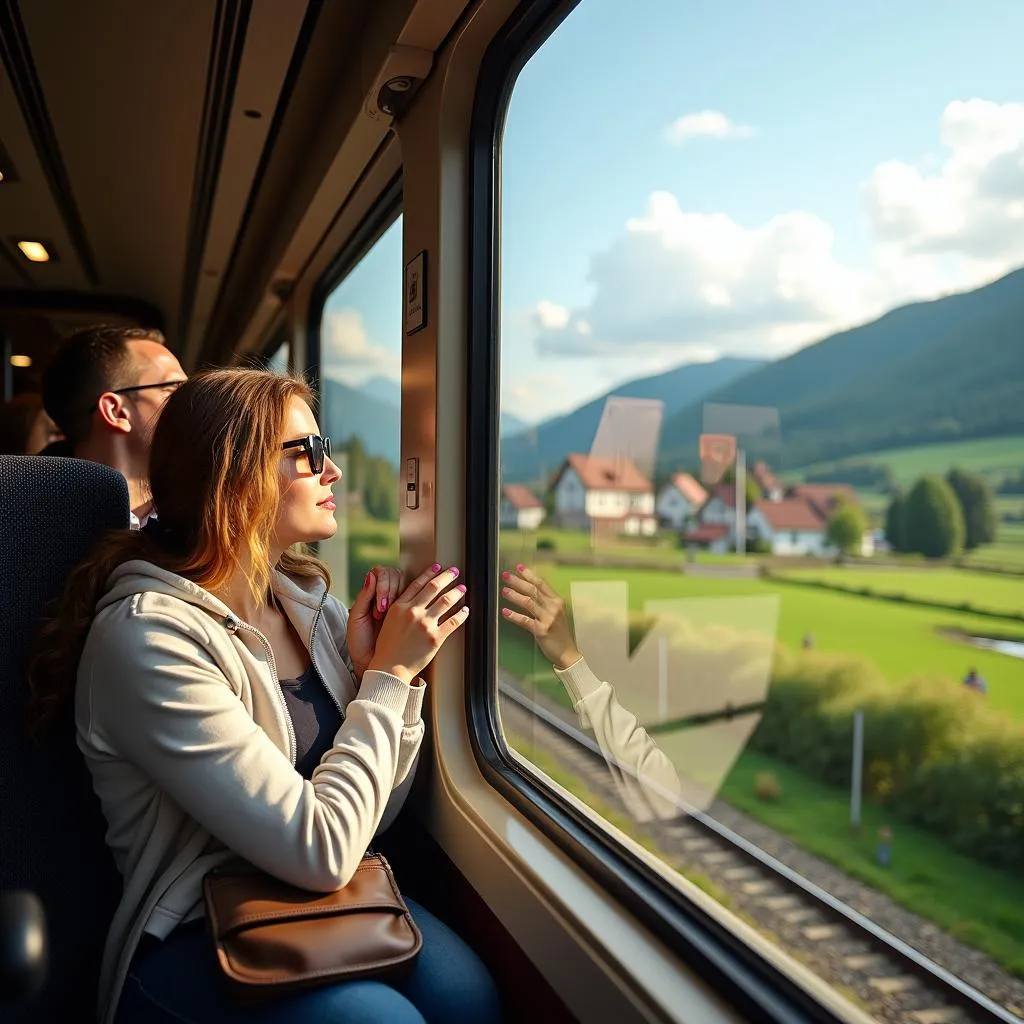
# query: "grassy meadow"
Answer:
x=993 y=457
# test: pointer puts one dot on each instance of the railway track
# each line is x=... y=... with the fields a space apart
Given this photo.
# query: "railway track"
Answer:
x=885 y=976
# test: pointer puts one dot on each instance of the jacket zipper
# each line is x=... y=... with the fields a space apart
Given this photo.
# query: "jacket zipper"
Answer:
x=312 y=657
x=239 y=624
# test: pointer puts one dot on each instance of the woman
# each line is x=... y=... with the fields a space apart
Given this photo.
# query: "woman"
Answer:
x=25 y=428
x=227 y=705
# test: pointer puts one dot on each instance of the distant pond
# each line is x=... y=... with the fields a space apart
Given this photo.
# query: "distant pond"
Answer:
x=1014 y=648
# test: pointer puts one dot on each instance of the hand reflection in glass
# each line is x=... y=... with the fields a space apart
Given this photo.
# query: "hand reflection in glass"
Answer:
x=644 y=777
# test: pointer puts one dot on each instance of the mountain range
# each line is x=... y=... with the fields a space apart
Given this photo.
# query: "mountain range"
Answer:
x=530 y=456
x=924 y=373
x=951 y=368
x=928 y=372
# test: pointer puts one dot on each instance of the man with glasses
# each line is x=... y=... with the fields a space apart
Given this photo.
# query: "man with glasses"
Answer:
x=105 y=388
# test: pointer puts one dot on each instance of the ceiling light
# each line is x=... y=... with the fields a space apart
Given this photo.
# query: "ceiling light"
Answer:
x=34 y=252
x=1 y=175
x=24 y=361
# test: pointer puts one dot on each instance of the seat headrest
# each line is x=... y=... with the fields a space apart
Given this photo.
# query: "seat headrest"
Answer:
x=52 y=512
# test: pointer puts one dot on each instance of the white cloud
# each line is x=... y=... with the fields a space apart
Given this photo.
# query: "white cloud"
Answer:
x=972 y=205
x=700 y=281
x=684 y=282
x=548 y=315
x=348 y=354
x=707 y=124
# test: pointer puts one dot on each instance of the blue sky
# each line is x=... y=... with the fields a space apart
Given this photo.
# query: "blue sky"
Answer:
x=821 y=176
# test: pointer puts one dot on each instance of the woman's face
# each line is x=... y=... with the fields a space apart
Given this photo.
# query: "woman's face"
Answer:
x=306 y=510
x=44 y=431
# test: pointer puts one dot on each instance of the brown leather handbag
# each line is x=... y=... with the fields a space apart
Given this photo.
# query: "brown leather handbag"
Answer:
x=272 y=938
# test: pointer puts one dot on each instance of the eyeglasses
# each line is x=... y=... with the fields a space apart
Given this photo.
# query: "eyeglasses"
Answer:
x=314 y=447
x=167 y=385
x=170 y=385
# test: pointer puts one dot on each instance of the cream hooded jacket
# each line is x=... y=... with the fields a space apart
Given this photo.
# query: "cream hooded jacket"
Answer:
x=184 y=728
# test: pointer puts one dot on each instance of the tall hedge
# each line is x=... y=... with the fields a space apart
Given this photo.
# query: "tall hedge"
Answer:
x=934 y=521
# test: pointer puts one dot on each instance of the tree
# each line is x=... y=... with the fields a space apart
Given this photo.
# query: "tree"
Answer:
x=846 y=528
x=896 y=522
x=934 y=522
x=978 y=507
x=380 y=494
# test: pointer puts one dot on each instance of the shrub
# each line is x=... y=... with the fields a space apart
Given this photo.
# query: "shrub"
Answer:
x=766 y=787
x=934 y=523
x=546 y=544
x=933 y=752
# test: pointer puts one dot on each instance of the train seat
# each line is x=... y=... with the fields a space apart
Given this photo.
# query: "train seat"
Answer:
x=52 y=511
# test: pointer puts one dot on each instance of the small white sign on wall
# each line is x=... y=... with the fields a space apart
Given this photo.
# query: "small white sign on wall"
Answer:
x=416 y=293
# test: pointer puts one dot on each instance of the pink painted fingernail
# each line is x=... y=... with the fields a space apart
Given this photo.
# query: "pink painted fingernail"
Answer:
x=506 y=575
x=384 y=605
x=520 y=567
x=436 y=567
x=506 y=612
x=506 y=591
x=462 y=587
x=367 y=581
x=454 y=570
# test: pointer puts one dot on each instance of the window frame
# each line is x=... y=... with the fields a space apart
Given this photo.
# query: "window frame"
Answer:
x=750 y=983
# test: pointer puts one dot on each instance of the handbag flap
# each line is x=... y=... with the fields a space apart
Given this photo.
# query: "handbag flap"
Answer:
x=238 y=900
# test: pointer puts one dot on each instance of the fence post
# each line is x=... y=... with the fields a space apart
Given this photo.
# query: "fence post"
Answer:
x=858 y=769
x=662 y=678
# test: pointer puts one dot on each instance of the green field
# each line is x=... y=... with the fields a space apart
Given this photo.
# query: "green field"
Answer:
x=901 y=641
x=991 y=457
x=952 y=586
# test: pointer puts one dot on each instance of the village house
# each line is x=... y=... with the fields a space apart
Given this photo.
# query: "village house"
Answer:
x=604 y=493
x=826 y=498
x=793 y=526
x=715 y=528
x=679 y=501
x=521 y=509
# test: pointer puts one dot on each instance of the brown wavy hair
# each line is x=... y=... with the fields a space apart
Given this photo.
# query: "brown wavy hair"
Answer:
x=213 y=472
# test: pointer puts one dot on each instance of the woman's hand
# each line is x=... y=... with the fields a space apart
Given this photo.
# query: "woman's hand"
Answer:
x=366 y=616
x=543 y=615
x=412 y=632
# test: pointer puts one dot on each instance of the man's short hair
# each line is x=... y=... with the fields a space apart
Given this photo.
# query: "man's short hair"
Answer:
x=86 y=364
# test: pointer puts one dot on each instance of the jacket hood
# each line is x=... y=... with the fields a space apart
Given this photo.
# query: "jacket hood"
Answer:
x=140 y=577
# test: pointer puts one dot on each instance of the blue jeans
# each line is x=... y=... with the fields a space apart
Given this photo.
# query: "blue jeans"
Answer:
x=179 y=982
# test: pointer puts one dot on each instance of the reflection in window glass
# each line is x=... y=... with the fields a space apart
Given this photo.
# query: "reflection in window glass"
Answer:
x=360 y=380
x=762 y=456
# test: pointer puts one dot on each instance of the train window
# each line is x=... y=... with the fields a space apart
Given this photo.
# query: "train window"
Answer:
x=360 y=395
x=760 y=514
x=280 y=359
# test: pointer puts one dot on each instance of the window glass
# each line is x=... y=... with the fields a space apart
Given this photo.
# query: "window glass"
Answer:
x=280 y=360
x=762 y=465
x=360 y=381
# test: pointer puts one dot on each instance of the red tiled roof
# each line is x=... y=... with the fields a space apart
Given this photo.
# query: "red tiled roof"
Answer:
x=707 y=532
x=791 y=514
x=600 y=473
x=825 y=496
x=689 y=488
x=520 y=496
x=724 y=492
x=765 y=478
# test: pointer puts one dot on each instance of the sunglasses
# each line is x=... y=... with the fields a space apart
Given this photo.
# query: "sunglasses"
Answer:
x=314 y=447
